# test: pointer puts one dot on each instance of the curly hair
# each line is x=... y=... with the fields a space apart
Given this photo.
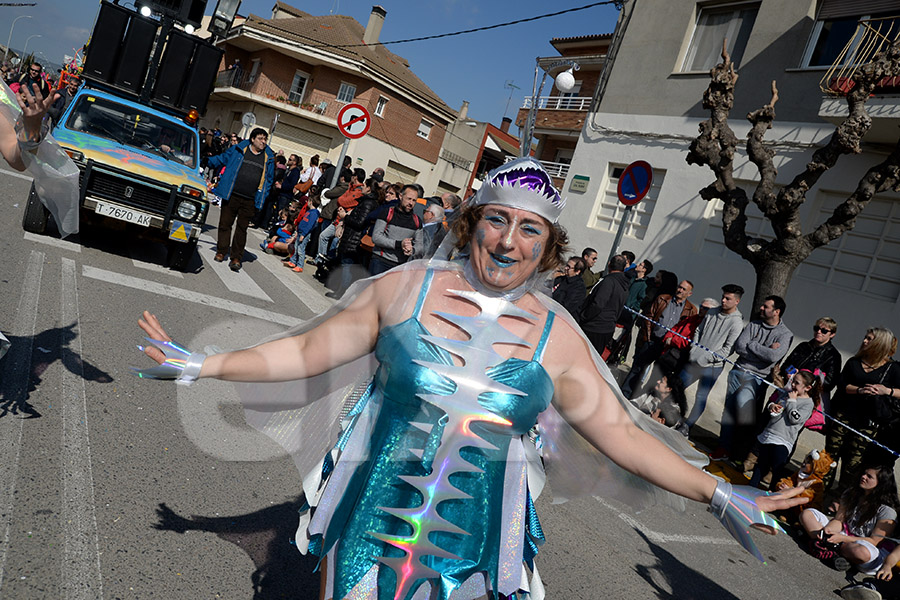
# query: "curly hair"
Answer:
x=554 y=251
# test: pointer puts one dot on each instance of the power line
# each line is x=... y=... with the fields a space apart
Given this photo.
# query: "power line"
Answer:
x=487 y=27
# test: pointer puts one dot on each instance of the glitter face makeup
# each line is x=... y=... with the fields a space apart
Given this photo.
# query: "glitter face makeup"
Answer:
x=507 y=246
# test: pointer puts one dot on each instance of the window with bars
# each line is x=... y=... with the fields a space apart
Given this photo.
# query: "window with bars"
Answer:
x=866 y=259
x=380 y=106
x=425 y=129
x=733 y=22
x=346 y=93
x=837 y=25
x=298 y=87
x=607 y=213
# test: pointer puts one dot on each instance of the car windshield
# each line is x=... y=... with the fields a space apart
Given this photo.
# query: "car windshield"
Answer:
x=133 y=127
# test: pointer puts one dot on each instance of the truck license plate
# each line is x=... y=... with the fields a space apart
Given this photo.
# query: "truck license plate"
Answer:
x=123 y=214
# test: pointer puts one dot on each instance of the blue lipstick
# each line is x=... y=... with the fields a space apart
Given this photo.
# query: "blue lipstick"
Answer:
x=501 y=261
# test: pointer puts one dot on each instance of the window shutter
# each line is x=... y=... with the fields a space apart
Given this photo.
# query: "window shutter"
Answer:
x=838 y=9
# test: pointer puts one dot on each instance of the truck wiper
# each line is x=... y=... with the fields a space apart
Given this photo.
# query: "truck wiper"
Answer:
x=163 y=153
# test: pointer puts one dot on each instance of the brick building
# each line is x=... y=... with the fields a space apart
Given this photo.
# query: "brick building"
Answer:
x=305 y=68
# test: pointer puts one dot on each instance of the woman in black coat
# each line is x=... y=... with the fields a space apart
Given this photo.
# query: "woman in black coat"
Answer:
x=354 y=229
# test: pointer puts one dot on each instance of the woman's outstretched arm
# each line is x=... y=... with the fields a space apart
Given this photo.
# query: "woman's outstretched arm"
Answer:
x=586 y=401
x=339 y=340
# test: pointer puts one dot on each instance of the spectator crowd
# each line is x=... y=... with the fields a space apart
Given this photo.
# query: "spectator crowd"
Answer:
x=775 y=389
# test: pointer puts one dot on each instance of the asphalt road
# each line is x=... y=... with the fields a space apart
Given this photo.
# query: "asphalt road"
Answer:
x=116 y=487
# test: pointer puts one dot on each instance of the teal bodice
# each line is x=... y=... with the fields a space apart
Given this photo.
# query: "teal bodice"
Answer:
x=428 y=497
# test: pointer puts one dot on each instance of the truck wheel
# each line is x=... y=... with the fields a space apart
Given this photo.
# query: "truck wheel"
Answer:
x=179 y=254
x=36 y=214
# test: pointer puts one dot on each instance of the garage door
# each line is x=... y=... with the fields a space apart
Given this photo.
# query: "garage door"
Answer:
x=300 y=141
x=396 y=172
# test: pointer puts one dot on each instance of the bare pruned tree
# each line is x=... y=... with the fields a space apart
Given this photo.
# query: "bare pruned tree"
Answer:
x=775 y=261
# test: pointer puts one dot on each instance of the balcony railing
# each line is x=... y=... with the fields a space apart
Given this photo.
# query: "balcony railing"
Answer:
x=871 y=37
x=278 y=91
x=554 y=169
x=559 y=103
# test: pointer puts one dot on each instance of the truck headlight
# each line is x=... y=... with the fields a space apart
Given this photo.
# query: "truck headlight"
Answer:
x=74 y=154
x=186 y=210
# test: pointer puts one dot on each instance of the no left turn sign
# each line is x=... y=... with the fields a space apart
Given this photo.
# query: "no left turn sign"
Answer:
x=354 y=121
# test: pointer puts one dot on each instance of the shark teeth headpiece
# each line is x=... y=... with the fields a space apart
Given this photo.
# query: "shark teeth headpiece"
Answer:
x=523 y=184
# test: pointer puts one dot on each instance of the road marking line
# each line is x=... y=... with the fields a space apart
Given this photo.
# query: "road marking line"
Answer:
x=15 y=391
x=17 y=174
x=81 y=577
x=51 y=241
x=144 y=257
x=187 y=295
x=240 y=282
x=662 y=538
x=307 y=294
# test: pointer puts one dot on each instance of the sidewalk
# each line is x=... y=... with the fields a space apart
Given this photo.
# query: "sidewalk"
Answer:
x=705 y=434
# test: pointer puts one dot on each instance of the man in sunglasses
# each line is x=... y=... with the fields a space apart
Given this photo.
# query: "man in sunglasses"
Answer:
x=818 y=353
x=34 y=75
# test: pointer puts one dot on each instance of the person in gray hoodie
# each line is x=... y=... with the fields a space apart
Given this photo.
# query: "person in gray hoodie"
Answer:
x=718 y=331
x=760 y=346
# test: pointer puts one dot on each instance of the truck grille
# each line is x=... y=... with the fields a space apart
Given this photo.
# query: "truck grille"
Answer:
x=142 y=197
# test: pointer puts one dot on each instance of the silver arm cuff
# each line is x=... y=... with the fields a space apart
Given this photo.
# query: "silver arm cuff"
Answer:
x=736 y=509
x=720 y=499
x=191 y=369
x=27 y=143
x=181 y=365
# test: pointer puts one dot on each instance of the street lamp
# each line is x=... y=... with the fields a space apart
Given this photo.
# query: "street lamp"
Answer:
x=25 y=49
x=563 y=72
x=9 y=38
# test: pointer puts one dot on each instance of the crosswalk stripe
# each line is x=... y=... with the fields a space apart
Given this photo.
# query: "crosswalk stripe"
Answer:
x=240 y=282
x=81 y=578
x=147 y=257
x=51 y=241
x=306 y=294
x=14 y=387
x=187 y=295
x=16 y=174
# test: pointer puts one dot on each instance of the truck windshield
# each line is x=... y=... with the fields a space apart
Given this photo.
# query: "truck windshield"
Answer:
x=130 y=126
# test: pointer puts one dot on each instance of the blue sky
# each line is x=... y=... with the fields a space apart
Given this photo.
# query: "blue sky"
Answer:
x=471 y=67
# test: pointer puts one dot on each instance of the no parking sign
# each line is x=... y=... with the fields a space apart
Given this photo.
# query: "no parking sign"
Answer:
x=635 y=182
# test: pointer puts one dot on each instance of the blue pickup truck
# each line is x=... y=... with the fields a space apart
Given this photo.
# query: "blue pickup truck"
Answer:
x=140 y=169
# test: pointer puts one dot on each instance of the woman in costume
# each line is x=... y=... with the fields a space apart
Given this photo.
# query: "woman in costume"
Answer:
x=26 y=144
x=429 y=489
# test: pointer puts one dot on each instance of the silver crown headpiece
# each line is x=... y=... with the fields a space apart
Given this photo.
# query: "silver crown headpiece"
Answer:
x=523 y=184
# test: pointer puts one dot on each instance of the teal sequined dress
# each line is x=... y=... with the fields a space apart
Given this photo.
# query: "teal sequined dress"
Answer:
x=429 y=494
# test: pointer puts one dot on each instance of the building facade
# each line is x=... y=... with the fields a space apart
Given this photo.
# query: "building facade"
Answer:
x=305 y=68
x=651 y=106
x=560 y=116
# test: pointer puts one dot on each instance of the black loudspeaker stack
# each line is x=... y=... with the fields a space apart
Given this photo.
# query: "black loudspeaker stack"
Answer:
x=186 y=73
x=120 y=51
x=103 y=53
x=135 y=54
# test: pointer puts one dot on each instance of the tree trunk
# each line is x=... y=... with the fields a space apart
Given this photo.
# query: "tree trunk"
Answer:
x=772 y=279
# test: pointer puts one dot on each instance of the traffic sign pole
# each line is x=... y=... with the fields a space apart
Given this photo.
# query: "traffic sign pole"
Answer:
x=634 y=184
x=615 y=247
x=337 y=170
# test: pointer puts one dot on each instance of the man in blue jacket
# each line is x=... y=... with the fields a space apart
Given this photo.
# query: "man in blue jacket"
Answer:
x=243 y=187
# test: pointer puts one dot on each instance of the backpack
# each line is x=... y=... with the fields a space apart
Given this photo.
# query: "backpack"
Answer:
x=390 y=217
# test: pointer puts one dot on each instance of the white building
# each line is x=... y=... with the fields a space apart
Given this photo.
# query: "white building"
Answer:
x=650 y=107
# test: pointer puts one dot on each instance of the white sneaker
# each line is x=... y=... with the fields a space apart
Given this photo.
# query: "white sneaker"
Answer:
x=860 y=591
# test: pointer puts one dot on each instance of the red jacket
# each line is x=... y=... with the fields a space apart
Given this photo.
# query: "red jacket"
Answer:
x=350 y=198
x=686 y=326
